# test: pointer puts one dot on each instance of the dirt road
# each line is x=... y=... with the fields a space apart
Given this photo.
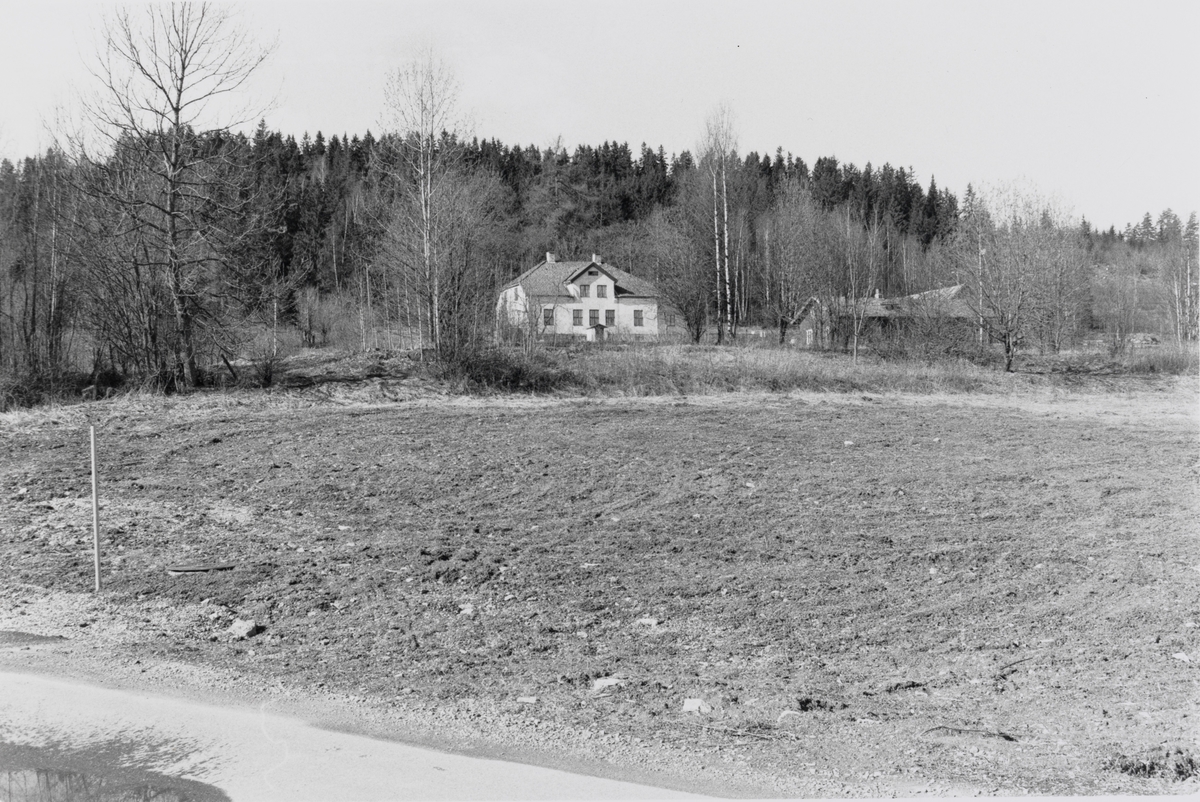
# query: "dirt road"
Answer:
x=253 y=752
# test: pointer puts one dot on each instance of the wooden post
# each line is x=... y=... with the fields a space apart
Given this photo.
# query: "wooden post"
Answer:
x=95 y=513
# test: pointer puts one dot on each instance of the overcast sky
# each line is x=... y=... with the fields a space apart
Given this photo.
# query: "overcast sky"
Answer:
x=1094 y=103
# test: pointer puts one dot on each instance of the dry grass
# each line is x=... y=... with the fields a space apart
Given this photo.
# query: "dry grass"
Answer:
x=672 y=370
x=1164 y=359
x=700 y=370
x=317 y=376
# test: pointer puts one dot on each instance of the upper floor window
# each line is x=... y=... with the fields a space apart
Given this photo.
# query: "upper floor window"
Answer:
x=601 y=290
x=584 y=290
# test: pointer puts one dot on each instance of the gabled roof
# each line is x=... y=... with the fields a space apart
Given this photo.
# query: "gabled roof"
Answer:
x=945 y=302
x=603 y=268
x=807 y=308
x=550 y=279
x=942 y=302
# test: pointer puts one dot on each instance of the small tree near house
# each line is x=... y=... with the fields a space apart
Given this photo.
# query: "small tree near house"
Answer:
x=1020 y=261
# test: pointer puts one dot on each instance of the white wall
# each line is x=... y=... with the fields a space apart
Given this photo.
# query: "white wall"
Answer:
x=515 y=306
x=512 y=305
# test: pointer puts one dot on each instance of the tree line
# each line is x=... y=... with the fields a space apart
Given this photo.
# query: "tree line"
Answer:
x=159 y=247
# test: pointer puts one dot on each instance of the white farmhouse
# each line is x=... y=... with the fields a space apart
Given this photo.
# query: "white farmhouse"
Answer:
x=580 y=300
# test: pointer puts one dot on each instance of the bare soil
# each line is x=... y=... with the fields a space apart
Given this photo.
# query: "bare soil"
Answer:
x=870 y=594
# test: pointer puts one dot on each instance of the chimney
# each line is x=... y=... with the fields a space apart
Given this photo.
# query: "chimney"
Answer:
x=549 y=257
x=597 y=259
x=877 y=294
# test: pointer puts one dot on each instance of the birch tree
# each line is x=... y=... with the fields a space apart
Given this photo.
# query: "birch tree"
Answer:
x=423 y=158
x=717 y=151
x=1180 y=271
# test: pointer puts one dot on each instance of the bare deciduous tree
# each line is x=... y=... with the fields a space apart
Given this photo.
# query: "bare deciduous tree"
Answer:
x=423 y=159
x=167 y=73
x=717 y=150
x=1121 y=296
x=861 y=277
x=676 y=266
x=792 y=236
x=36 y=308
x=1020 y=258
x=1179 y=270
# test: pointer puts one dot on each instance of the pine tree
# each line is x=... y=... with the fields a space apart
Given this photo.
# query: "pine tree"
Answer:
x=827 y=186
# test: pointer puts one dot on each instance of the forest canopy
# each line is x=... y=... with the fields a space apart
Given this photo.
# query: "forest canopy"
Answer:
x=180 y=248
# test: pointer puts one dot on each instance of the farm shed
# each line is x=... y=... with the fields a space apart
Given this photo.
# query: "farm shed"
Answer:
x=945 y=309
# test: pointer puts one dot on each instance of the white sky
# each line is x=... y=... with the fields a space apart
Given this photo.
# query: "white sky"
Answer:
x=1094 y=103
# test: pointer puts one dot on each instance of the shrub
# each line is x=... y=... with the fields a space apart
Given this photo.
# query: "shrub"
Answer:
x=1168 y=763
x=268 y=352
x=17 y=392
x=27 y=390
x=510 y=371
x=1165 y=359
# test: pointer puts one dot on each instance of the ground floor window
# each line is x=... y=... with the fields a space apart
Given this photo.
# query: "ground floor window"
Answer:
x=548 y=316
x=637 y=317
x=593 y=317
x=577 y=317
x=610 y=317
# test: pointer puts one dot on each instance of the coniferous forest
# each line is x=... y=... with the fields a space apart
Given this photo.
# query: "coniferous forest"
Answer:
x=155 y=251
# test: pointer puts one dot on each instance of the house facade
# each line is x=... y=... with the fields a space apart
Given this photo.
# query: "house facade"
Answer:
x=582 y=300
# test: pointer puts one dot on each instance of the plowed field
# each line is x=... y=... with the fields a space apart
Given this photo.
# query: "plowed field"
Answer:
x=866 y=594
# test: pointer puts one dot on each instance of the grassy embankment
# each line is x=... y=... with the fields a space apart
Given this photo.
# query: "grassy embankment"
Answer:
x=700 y=370
x=752 y=364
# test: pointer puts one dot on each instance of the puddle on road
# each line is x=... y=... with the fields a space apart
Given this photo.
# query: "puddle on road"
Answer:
x=76 y=742
x=108 y=771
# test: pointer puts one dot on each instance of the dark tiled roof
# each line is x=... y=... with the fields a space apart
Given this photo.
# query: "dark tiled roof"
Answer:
x=549 y=279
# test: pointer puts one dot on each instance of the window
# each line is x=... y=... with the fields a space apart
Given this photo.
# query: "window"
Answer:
x=576 y=317
x=601 y=290
x=548 y=316
x=584 y=289
x=637 y=317
x=593 y=272
x=610 y=317
x=593 y=317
